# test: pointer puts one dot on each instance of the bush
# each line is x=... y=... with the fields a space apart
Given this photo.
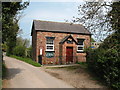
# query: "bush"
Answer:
x=29 y=52
x=4 y=47
x=105 y=62
x=112 y=68
x=19 y=51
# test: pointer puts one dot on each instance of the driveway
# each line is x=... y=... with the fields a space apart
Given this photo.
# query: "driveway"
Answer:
x=23 y=75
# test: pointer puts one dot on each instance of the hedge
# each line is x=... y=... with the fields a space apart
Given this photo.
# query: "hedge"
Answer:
x=105 y=61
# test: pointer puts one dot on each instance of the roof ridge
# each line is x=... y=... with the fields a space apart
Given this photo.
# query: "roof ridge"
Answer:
x=57 y=22
x=59 y=27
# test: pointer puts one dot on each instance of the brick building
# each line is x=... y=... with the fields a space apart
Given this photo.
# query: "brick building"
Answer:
x=59 y=43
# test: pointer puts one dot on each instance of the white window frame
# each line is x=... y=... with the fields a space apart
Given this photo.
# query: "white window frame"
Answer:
x=49 y=45
x=80 y=46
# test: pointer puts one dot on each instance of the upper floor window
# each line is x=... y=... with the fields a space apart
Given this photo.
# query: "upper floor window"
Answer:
x=80 y=46
x=49 y=43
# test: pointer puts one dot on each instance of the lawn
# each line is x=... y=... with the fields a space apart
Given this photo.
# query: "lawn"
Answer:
x=27 y=60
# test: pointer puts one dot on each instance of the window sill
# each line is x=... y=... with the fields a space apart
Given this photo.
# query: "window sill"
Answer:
x=49 y=51
x=80 y=52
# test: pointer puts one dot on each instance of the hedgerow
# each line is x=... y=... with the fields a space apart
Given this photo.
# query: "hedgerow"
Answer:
x=105 y=61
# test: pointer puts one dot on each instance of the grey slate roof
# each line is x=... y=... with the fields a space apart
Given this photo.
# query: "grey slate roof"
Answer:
x=59 y=27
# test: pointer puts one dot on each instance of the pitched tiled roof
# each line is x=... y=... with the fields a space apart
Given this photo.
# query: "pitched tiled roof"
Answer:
x=59 y=27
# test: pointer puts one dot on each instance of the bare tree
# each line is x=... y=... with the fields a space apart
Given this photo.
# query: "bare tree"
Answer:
x=94 y=16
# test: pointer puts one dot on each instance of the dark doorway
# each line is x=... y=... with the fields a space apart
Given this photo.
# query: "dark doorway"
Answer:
x=40 y=59
x=69 y=54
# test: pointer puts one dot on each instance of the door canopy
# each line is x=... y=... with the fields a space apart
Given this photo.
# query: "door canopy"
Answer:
x=69 y=39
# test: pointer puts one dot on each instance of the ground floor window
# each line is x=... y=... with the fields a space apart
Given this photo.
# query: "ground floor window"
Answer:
x=50 y=43
x=80 y=46
x=49 y=54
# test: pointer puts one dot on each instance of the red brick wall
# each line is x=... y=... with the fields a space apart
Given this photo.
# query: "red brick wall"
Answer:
x=41 y=43
x=34 y=39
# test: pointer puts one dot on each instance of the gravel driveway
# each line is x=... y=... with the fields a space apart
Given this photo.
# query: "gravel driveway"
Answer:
x=75 y=76
x=23 y=75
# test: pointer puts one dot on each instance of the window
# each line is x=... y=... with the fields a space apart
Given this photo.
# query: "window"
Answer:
x=49 y=54
x=49 y=43
x=80 y=46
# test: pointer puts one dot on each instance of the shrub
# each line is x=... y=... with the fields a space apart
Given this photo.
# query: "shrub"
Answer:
x=19 y=51
x=105 y=61
x=112 y=68
x=4 y=47
x=29 y=52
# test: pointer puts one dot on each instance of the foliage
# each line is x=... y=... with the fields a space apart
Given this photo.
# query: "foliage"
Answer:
x=19 y=51
x=27 y=60
x=29 y=52
x=22 y=42
x=105 y=61
x=92 y=40
x=102 y=19
x=10 y=27
x=94 y=16
x=83 y=64
x=114 y=15
x=4 y=47
x=21 y=48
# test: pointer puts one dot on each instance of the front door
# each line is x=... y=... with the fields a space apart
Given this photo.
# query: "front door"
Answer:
x=69 y=54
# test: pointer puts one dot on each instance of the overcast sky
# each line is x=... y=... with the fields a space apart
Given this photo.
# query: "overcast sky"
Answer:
x=47 y=11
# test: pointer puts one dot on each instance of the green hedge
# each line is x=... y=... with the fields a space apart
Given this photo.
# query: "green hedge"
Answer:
x=105 y=62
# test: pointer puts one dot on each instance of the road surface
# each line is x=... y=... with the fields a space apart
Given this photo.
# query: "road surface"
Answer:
x=23 y=75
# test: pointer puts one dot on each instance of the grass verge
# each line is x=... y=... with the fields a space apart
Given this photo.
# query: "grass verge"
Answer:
x=27 y=60
x=83 y=64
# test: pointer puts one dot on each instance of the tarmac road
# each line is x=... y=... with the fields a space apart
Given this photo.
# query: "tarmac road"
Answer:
x=23 y=75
